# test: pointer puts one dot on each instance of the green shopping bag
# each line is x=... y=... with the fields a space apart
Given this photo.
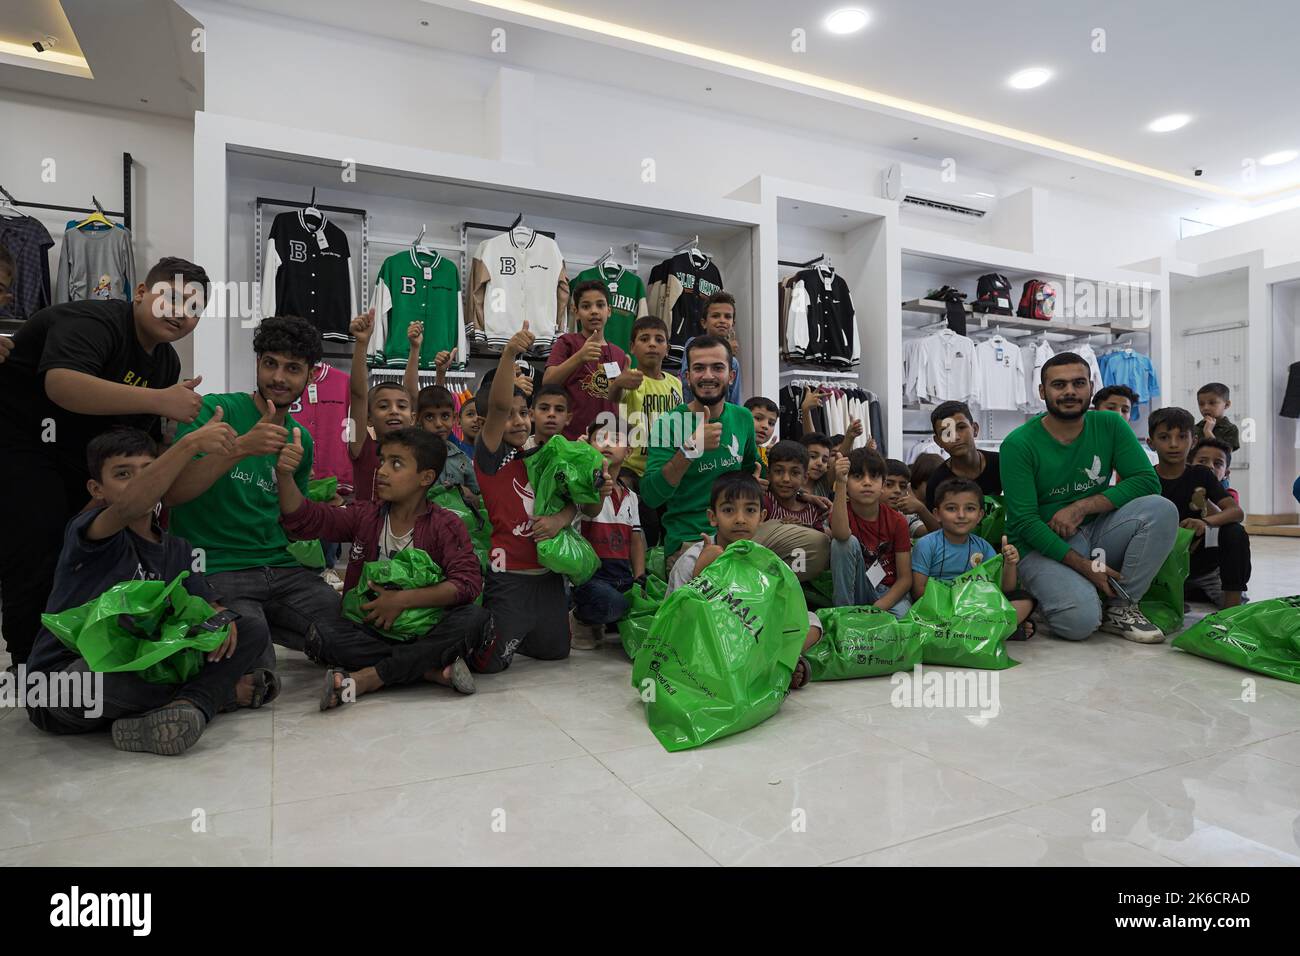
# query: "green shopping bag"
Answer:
x=966 y=622
x=311 y=554
x=410 y=568
x=641 y=610
x=142 y=627
x=718 y=657
x=1263 y=636
x=863 y=642
x=994 y=524
x=820 y=592
x=560 y=472
x=655 y=565
x=474 y=518
x=1163 y=602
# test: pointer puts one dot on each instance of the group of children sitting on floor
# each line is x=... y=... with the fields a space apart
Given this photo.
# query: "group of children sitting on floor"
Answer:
x=892 y=528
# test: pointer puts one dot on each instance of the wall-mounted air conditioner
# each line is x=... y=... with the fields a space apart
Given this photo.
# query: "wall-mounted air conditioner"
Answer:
x=941 y=190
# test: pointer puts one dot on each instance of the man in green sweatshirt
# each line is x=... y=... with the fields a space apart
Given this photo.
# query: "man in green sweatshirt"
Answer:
x=1090 y=548
x=694 y=443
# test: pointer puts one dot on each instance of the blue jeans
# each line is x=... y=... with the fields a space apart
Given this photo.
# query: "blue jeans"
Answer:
x=600 y=600
x=1135 y=540
x=849 y=574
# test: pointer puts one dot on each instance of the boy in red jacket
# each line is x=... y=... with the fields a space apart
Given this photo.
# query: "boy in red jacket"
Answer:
x=409 y=462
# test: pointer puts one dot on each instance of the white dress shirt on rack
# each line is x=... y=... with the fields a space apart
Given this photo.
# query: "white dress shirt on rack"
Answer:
x=1086 y=353
x=1001 y=382
x=1033 y=358
x=947 y=368
x=911 y=369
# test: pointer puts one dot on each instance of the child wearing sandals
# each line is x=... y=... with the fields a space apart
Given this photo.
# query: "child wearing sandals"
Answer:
x=360 y=659
x=954 y=549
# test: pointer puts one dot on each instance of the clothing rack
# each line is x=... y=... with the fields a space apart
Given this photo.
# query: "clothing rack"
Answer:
x=804 y=265
x=489 y=227
x=125 y=215
x=397 y=374
x=812 y=373
x=261 y=201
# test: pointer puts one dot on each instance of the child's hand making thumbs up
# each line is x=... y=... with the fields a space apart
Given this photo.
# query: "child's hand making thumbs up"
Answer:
x=290 y=455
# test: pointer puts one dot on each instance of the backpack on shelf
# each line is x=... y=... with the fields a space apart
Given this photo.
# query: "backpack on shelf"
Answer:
x=1037 y=301
x=993 y=295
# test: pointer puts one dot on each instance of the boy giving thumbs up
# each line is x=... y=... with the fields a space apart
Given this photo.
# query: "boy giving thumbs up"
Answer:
x=591 y=370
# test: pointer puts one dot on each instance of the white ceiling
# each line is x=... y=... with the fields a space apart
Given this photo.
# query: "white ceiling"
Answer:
x=140 y=52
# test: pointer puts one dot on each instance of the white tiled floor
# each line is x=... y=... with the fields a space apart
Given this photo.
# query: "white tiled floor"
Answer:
x=1104 y=753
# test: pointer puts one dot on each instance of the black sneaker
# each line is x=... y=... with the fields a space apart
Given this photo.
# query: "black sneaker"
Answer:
x=169 y=730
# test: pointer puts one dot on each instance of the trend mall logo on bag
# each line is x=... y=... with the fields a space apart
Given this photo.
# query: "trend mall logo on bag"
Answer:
x=75 y=909
x=959 y=689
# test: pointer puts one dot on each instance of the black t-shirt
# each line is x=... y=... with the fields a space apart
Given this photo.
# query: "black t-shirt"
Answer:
x=990 y=479
x=1180 y=490
x=88 y=568
x=94 y=337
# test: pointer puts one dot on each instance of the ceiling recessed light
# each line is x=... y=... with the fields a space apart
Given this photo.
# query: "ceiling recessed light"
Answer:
x=1167 y=124
x=846 y=20
x=1278 y=158
x=1030 y=78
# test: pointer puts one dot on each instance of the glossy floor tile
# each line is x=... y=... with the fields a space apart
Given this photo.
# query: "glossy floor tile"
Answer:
x=1101 y=753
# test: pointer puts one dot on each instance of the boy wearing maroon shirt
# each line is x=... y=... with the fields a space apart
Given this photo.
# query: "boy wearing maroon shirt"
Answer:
x=592 y=371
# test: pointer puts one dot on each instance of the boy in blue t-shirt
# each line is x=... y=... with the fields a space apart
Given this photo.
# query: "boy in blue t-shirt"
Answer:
x=954 y=549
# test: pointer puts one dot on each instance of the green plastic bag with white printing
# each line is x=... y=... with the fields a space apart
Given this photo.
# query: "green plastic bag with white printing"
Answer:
x=144 y=627
x=863 y=642
x=719 y=654
x=560 y=472
x=655 y=566
x=474 y=517
x=409 y=568
x=1263 y=636
x=966 y=621
x=641 y=610
x=994 y=523
x=1163 y=602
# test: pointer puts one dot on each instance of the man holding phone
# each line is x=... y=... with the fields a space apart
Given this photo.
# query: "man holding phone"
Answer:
x=1090 y=548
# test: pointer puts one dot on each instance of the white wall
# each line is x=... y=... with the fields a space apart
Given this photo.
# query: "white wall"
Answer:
x=1278 y=235
x=86 y=143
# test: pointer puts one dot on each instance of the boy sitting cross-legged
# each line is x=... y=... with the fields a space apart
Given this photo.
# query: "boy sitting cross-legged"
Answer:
x=899 y=496
x=871 y=550
x=116 y=539
x=735 y=511
x=614 y=530
x=785 y=499
x=954 y=549
x=361 y=659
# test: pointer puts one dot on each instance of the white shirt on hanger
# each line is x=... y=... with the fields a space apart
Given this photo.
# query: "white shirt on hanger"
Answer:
x=1034 y=357
x=925 y=446
x=948 y=369
x=1086 y=353
x=1001 y=382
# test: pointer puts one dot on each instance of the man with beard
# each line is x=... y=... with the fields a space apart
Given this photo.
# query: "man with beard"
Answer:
x=1090 y=548
x=694 y=443
x=228 y=508
x=75 y=371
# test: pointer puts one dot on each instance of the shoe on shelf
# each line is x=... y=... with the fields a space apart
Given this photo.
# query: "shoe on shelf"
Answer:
x=1131 y=624
x=584 y=637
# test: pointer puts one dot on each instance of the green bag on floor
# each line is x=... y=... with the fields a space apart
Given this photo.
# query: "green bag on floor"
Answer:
x=966 y=622
x=141 y=627
x=311 y=554
x=561 y=472
x=863 y=642
x=411 y=568
x=994 y=524
x=1263 y=636
x=718 y=657
x=473 y=517
x=655 y=563
x=820 y=592
x=1163 y=602
x=641 y=610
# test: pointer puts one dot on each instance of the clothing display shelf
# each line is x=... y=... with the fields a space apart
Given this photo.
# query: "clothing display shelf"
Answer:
x=262 y=201
x=985 y=320
x=7 y=200
x=814 y=375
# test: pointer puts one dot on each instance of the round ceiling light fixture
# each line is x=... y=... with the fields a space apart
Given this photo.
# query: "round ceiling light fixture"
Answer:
x=1278 y=158
x=1167 y=124
x=847 y=20
x=1028 y=79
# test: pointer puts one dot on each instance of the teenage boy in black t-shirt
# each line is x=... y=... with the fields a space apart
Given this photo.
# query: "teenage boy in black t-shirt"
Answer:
x=955 y=431
x=1220 y=556
x=76 y=370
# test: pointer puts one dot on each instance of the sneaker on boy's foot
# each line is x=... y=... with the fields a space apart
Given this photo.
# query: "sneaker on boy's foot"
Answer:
x=584 y=637
x=169 y=730
x=1130 y=623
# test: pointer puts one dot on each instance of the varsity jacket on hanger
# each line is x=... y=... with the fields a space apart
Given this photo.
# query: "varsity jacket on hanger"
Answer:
x=820 y=326
x=678 y=289
x=415 y=286
x=309 y=274
x=517 y=276
x=627 y=301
